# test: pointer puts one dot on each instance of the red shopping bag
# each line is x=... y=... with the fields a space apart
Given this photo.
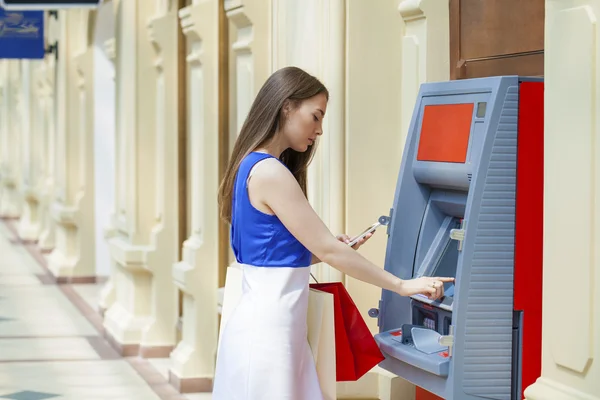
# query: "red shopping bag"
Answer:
x=356 y=351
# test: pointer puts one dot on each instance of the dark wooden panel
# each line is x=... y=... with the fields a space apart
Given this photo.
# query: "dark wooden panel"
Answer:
x=496 y=37
x=455 y=62
x=182 y=132
x=223 y=132
x=182 y=150
x=497 y=27
x=527 y=65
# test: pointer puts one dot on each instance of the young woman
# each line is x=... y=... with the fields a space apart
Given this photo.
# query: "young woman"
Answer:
x=276 y=236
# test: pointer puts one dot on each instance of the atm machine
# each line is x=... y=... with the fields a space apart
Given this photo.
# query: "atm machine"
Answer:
x=469 y=205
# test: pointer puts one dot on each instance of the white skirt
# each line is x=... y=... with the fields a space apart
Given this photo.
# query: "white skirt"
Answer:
x=264 y=352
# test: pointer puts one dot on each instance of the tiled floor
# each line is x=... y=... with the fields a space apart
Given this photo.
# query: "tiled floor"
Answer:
x=50 y=350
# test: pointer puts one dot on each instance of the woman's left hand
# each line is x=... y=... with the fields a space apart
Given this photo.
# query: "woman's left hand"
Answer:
x=348 y=239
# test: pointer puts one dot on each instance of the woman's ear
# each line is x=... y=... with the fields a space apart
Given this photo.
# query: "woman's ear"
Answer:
x=286 y=108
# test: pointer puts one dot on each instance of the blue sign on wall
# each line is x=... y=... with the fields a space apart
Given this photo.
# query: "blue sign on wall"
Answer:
x=21 y=34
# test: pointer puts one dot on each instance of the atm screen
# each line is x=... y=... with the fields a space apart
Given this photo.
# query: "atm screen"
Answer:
x=445 y=133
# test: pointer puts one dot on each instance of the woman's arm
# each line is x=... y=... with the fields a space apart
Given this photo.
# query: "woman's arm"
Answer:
x=344 y=239
x=275 y=187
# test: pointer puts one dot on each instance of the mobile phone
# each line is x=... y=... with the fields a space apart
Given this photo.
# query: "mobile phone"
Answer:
x=364 y=233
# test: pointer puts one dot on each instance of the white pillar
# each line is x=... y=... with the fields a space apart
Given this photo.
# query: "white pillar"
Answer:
x=408 y=42
x=320 y=51
x=73 y=256
x=143 y=315
x=163 y=51
x=108 y=294
x=10 y=198
x=4 y=123
x=47 y=235
x=571 y=328
x=197 y=273
x=250 y=61
x=4 y=88
x=32 y=141
x=130 y=312
x=425 y=50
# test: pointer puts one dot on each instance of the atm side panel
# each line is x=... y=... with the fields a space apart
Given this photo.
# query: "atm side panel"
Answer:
x=488 y=310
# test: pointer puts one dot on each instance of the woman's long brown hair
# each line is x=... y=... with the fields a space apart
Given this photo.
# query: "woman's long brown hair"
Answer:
x=264 y=118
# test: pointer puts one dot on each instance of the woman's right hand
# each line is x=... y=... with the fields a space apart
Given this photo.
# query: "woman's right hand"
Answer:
x=432 y=287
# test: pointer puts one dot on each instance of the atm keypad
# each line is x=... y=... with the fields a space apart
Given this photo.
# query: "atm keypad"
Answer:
x=429 y=323
x=431 y=317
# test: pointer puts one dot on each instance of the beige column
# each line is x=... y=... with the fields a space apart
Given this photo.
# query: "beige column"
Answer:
x=4 y=112
x=145 y=245
x=416 y=51
x=571 y=310
x=10 y=198
x=197 y=273
x=250 y=60
x=73 y=256
x=425 y=50
x=4 y=124
x=47 y=92
x=406 y=43
x=32 y=142
x=108 y=293
x=129 y=313
x=320 y=51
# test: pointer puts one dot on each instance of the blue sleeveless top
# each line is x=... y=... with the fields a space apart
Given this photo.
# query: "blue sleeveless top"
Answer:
x=258 y=238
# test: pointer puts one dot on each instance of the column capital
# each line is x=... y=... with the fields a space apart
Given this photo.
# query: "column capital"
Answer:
x=231 y=4
x=411 y=9
x=188 y=20
x=418 y=9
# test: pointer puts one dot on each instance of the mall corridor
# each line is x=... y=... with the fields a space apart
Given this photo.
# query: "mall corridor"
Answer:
x=51 y=342
x=118 y=124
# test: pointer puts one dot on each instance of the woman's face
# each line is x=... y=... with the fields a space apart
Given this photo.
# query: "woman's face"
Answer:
x=305 y=123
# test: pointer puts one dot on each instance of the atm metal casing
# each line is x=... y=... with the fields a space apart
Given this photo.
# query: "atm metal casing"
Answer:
x=472 y=166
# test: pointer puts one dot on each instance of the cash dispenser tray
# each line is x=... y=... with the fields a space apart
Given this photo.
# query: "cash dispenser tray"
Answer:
x=417 y=346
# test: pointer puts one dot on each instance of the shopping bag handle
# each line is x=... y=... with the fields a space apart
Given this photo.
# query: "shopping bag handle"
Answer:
x=315 y=279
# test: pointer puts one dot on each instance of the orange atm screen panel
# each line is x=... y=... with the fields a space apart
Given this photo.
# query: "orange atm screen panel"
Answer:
x=445 y=133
